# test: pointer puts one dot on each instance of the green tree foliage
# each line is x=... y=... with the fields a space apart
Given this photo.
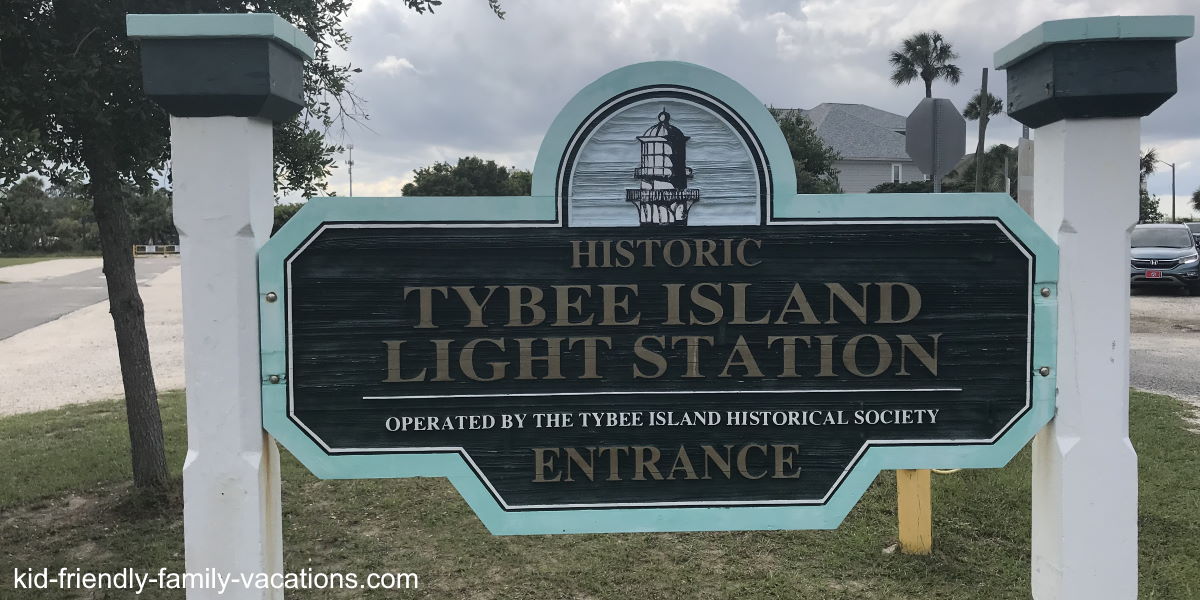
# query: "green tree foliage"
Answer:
x=471 y=176
x=925 y=56
x=982 y=109
x=963 y=179
x=72 y=108
x=1196 y=199
x=37 y=219
x=815 y=171
x=1148 y=211
x=919 y=187
x=24 y=216
x=974 y=105
x=284 y=212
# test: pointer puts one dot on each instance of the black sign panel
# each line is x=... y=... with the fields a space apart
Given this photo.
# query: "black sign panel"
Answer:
x=658 y=366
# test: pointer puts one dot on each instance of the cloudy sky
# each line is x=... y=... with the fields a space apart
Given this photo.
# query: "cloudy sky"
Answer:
x=462 y=82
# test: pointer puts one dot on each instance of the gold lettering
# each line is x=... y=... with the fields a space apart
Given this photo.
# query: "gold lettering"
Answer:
x=425 y=302
x=723 y=464
x=589 y=354
x=800 y=301
x=686 y=253
x=859 y=308
x=541 y=462
x=611 y=304
x=643 y=465
x=673 y=303
x=741 y=253
x=826 y=355
x=682 y=463
x=886 y=299
x=712 y=305
x=789 y=351
x=929 y=359
x=782 y=461
x=577 y=254
x=692 y=346
x=704 y=253
x=587 y=466
x=474 y=307
x=564 y=305
x=739 y=307
x=553 y=364
x=614 y=452
x=641 y=351
x=466 y=360
x=625 y=250
x=850 y=355
x=517 y=306
x=741 y=461
x=393 y=364
x=649 y=246
x=746 y=360
x=442 y=352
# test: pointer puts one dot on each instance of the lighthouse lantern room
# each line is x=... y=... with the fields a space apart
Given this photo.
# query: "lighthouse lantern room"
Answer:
x=663 y=197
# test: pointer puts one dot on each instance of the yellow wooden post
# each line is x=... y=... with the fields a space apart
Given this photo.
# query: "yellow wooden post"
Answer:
x=914 y=511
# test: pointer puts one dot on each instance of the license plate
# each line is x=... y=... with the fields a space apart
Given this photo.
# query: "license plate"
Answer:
x=1153 y=274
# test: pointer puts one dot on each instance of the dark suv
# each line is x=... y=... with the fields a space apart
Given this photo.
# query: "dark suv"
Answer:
x=1164 y=254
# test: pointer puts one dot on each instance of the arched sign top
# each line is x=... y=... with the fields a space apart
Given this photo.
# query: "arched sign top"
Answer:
x=738 y=160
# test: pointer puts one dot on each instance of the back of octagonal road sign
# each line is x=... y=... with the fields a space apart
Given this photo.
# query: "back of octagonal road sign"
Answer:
x=664 y=336
x=935 y=136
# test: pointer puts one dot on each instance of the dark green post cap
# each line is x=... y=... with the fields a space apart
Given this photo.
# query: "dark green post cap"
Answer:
x=212 y=65
x=1092 y=68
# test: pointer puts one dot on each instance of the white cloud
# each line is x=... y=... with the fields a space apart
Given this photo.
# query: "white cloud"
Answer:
x=394 y=65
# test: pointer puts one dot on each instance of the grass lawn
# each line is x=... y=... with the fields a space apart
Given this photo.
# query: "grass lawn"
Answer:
x=13 y=261
x=64 y=502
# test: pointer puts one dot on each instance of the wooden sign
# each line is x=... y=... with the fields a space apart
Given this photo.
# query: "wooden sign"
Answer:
x=664 y=336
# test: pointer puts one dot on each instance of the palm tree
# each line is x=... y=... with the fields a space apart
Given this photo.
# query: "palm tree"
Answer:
x=984 y=109
x=927 y=56
x=994 y=106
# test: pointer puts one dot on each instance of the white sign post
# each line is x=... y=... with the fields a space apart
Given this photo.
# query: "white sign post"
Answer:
x=1084 y=84
x=231 y=510
x=224 y=79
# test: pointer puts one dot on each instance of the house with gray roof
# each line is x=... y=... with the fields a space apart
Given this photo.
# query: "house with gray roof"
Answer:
x=870 y=142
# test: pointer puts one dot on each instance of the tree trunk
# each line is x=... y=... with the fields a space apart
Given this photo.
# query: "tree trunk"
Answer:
x=985 y=109
x=125 y=305
x=928 y=88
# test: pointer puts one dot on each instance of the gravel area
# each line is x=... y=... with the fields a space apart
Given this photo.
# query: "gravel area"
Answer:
x=74 y=358
x=1164 y=344
x=48 y=269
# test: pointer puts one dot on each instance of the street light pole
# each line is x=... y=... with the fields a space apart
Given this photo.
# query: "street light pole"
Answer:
x=1172 y=165
x=350 y=167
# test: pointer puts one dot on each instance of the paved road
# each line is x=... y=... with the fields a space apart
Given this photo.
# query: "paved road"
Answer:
x=1165 y=344
x=26 y=305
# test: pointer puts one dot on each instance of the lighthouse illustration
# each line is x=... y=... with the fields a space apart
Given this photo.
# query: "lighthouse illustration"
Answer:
x=663 y=198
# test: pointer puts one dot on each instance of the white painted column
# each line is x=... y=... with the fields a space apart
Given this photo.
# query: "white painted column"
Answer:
x=223 y=197
x=1084 y=468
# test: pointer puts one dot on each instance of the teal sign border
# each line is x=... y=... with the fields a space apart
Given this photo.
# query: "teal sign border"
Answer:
x=542 y=209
